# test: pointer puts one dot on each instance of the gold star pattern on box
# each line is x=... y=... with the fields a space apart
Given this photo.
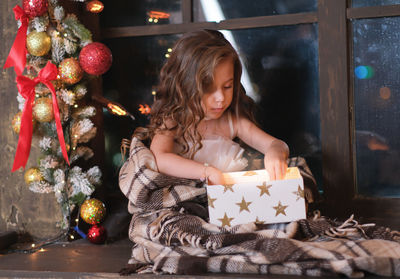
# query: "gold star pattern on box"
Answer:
x=211 y=201
x=228 y=187
x=299 y=193
x=280 y=209
x=250 y=196
x=243 y=205
x=226 y=221
x=264 y=189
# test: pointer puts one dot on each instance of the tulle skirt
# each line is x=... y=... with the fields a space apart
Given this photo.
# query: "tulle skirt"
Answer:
x=222 y=153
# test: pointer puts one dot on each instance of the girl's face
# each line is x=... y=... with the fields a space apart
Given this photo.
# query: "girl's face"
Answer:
x=218 y=98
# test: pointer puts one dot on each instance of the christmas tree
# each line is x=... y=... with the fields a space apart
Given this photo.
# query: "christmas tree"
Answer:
x=54 y=56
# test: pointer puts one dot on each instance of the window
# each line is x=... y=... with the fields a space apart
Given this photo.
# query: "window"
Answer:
x=270 y=55
x=324 y=75
x=130 y=82
x=376 y=59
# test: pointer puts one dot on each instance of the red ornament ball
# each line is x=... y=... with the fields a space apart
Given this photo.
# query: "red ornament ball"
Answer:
x=95 y=58
x=35 y=8
x=97 y=234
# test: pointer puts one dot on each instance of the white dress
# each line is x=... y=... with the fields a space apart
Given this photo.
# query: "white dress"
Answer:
x=220 y=152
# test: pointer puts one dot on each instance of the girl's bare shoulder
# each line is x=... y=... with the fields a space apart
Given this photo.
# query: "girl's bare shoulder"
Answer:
x=242 y=124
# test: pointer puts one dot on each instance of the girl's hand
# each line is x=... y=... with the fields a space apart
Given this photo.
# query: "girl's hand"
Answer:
x=214 y=176
x=276 y=166
x=275 y=160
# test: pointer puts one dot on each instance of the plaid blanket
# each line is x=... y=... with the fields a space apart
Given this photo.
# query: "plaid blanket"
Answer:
x=170 y=233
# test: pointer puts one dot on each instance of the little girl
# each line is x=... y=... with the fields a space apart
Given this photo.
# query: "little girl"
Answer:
x=200 y=108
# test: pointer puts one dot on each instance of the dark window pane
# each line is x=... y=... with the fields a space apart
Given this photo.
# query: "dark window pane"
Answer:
x=137 y=62
x=366 y=3
x=377 y=105
x=147 y=12
x=282 y=66
x=217 y=10
x=280 y=72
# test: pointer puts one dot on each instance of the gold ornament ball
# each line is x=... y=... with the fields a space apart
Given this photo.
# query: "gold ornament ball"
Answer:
x=33 y=175
x=16 y=122
x=38 y=43
x=43 y=110
x=92 y=211
x=70 y=71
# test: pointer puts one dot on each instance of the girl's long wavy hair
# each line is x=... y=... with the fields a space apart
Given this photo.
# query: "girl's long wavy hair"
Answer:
x=184 y=78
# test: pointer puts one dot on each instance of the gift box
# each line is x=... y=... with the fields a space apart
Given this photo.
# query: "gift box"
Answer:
x=250 y=196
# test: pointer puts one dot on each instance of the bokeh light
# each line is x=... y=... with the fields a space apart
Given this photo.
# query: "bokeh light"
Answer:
x=117 y=160
x=384 y=93
x=364 y=72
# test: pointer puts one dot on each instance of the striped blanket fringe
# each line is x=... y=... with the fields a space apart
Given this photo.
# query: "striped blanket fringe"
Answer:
x=171 y=235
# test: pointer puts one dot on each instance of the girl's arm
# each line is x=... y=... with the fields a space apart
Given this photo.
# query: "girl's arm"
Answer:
x=172 y=164
x=275 y=151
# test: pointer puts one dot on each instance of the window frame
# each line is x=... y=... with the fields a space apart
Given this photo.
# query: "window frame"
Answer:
x=336 y=94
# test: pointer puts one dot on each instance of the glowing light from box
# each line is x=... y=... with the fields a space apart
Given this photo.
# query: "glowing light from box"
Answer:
x=213 y=12
x=364 y=72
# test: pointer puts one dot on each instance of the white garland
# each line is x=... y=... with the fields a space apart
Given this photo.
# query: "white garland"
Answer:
x=59 y=13
x=70 y=47
x=79 y=182
x=57 y=49
x=40 y=23
x=85 y=112
x=21 y=102
x=59 y=187
x=84 y=126
x=80 y=90
x=67 y=96
x=59 y=177
x=48 y=162
x=45 y=143
x=64 y=181
x=41 y=187
x=94 y=174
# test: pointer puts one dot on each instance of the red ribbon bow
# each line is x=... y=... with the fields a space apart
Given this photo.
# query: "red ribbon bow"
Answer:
x=17 y=56
x=26 y=88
